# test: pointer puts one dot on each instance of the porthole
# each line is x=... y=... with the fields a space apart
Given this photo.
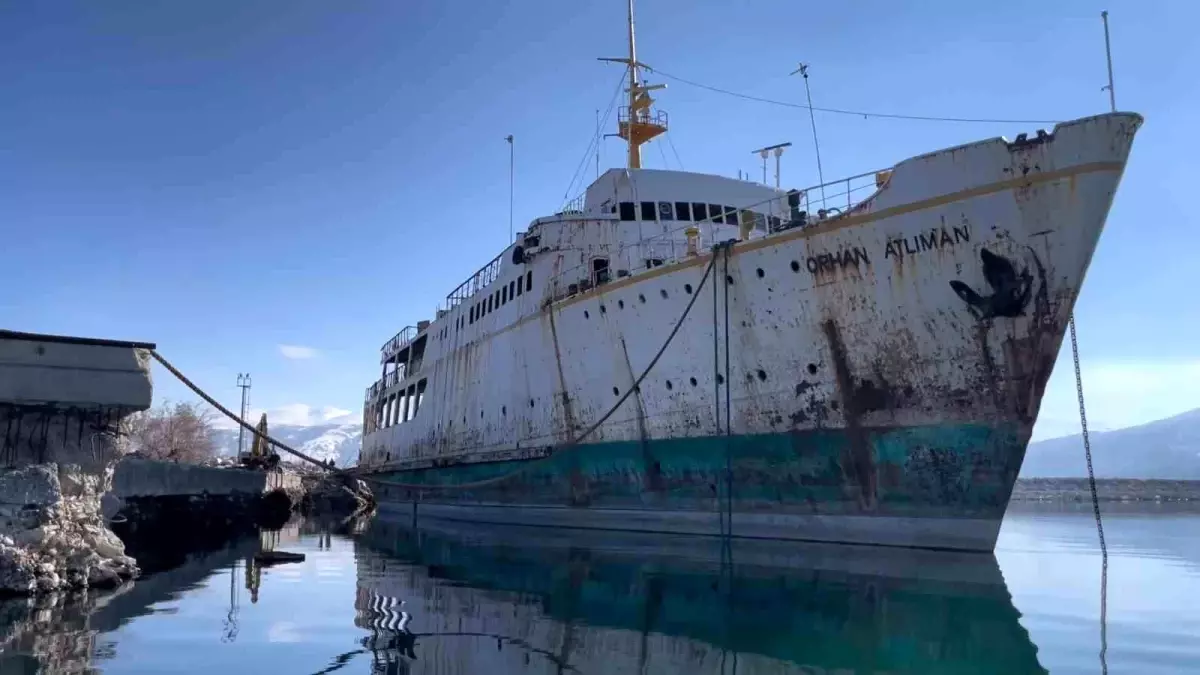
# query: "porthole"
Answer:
x=762 y=375
x=729 y=279
x=504 y=410
x=586 y=315
x=663 y=292
x=616 y=392
x=620 y=304
x=760 y=272
x=687 y=288
x=795 y=266
x=669 y=385
x=812 y=369
x=692 y=380
x=603 y=309
x=530 y=403
x=641 y=297
x=720 y=379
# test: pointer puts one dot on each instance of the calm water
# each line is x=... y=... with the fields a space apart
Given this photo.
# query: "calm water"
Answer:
x=387 y=599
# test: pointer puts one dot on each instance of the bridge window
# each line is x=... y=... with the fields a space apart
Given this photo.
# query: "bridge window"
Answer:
x=529 y=281
x=730 y=215
x=715 y=213
x=471 y=315
x=648 y=211
x=512 y=287
x=520 y=286
x=628 y=212
x=489 y=306
x=504 y=295
x=683 y=211
x=699 y=211
x=665 y=211
x=600 y=273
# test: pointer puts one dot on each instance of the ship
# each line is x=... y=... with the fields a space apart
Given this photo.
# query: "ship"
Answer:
x=859 y=362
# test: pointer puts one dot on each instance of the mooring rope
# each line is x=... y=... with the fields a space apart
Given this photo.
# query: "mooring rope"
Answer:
x=457 y=486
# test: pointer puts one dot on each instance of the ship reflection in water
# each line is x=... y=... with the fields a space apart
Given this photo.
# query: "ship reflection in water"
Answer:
x=451 y=599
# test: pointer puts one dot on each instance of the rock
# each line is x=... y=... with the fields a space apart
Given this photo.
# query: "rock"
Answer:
x=37 y=485
x=57 y=540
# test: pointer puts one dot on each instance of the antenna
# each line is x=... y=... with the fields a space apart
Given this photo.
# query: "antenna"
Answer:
x=597 y=143
x=635 y=123
x=803 y=70
x=512 y=153
x=765 y=152
x=1112 y=95
x=243 y=382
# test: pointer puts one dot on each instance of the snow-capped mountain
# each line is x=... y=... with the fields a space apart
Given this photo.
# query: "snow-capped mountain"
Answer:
x=339 y=441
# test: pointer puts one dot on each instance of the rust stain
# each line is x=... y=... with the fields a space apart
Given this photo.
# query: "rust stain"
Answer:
x=651 y=469
x=862 y=461
x=568 y=415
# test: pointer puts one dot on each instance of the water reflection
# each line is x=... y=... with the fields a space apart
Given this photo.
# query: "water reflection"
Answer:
x=459 y=599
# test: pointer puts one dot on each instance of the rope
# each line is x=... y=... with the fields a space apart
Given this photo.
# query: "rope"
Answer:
x=588 y=432
x=228 y=413
x=1087 y=450
x=595 y=142
x=459 y=486
x=839 y=111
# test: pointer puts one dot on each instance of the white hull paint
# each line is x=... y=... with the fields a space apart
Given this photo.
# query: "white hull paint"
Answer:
x=939 y=300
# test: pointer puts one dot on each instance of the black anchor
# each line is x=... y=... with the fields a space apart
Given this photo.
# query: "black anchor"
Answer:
x=1010 y=290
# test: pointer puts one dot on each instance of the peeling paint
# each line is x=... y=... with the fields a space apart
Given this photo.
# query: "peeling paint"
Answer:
x=905 y=368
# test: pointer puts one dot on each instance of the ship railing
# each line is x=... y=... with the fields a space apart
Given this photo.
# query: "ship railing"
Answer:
x=574 y=205
x=476 y=283
x=836 y=198
x=801 y=208
x=657 y=118
x=394 y=377
x=399 y=341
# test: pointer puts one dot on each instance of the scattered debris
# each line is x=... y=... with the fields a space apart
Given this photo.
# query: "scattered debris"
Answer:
x=277 y=557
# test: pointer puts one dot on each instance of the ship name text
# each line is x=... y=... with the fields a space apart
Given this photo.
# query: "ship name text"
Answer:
x=856 y=257
x=935 y=238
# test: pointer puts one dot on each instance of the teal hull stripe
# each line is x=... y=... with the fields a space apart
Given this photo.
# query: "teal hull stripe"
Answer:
x=951 y=470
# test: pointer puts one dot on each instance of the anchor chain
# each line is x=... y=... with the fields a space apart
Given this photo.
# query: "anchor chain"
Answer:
x=1087 y=450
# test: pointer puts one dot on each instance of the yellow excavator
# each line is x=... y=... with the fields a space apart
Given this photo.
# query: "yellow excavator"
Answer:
x=261 y=455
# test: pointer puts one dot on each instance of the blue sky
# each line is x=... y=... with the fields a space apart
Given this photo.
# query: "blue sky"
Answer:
x=231 y=179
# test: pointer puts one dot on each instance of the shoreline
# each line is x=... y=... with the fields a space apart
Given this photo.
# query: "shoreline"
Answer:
x=1108 y=490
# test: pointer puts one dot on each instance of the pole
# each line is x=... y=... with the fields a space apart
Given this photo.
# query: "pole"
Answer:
x=1112 y=94
x=512 y=155
x=243 y=382
x=597 y=143
x=778 y=153
x=763 y=154
x=812 y=118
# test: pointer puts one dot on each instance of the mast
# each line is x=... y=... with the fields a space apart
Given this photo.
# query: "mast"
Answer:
x=636 y=123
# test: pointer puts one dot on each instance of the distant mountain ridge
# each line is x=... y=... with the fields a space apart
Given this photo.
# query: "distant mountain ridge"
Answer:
x=339 y=441
x=1167 y=448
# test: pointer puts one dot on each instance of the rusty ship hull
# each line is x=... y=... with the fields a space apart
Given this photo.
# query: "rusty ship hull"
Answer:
x=882 y=366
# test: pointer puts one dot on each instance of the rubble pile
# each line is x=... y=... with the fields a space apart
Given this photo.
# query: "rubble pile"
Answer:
x=335 y=494
x=52 y=535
